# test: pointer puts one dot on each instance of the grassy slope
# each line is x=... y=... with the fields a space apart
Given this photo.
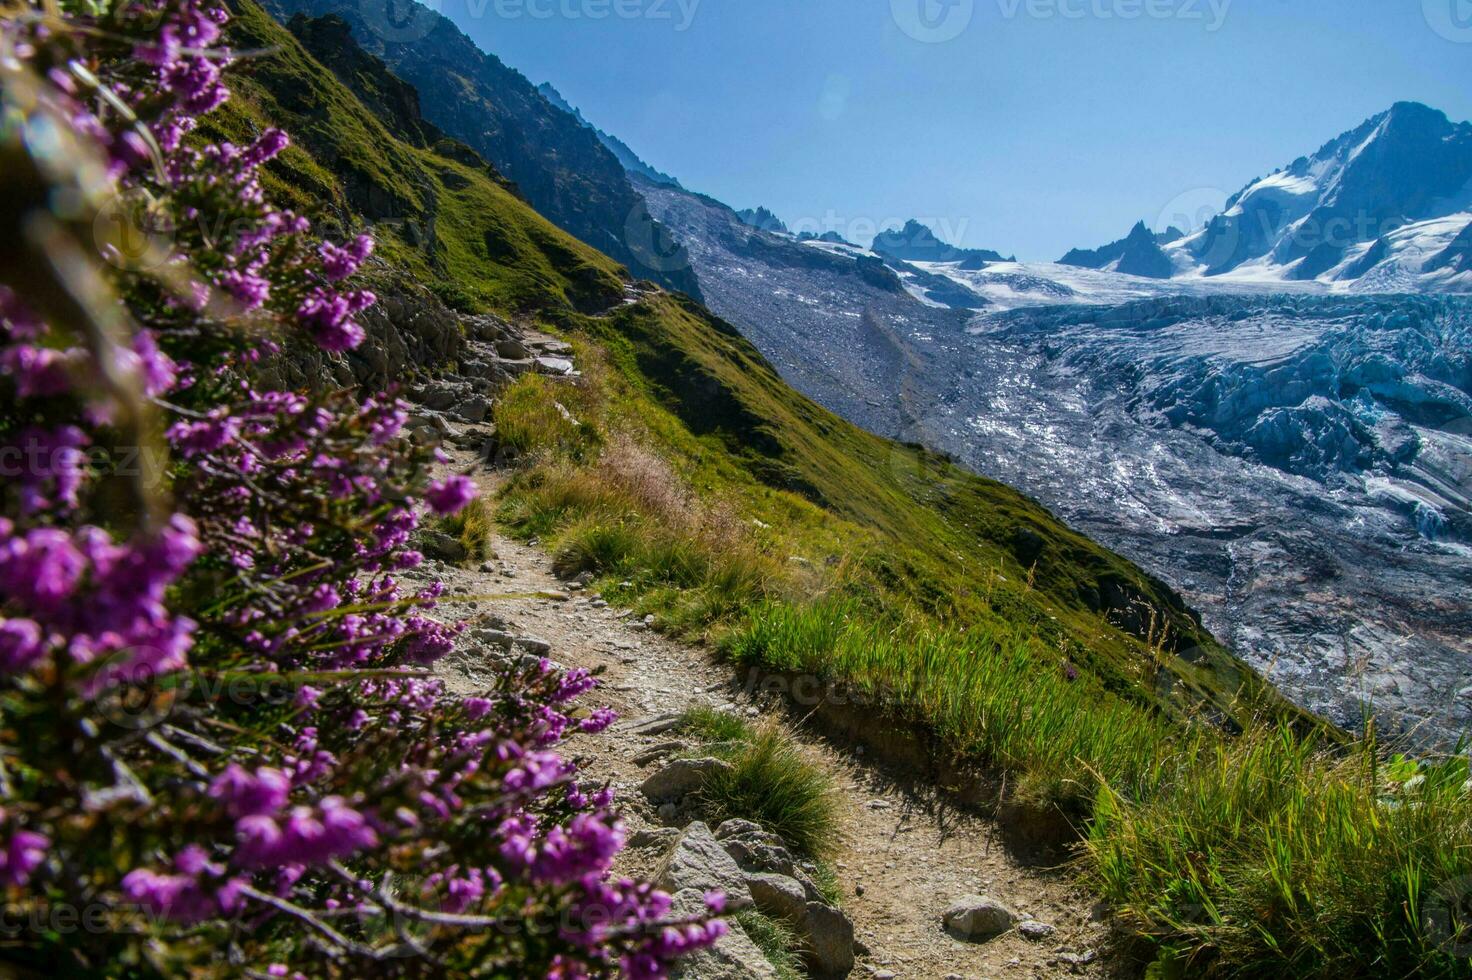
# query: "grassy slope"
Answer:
x=453 y=225
x=960 y=601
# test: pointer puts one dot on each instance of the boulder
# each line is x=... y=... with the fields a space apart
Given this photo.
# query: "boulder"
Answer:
x=494 y=638
x=512 y=350
x=827 y=934
x=830 y=939
x=534 y=645
x=656 y=752
x=681 y=778
x=440 y=396
x=653 y=838
x=753 y=849
x=737 y=827
x=556 y=366
x=657 y=725
x=779 y=896
x=474 y=409
x=697 y=861
x=487 y=327
x=978 y=918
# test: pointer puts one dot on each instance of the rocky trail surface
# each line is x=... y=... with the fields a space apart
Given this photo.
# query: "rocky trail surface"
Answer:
x=905 y=857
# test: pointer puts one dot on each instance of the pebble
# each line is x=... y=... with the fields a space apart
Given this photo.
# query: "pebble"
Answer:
x=1035 y=930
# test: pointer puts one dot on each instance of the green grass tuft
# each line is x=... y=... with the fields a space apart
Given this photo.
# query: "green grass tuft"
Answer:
x=532 y=419
x=473 y=527
x=775 y=938
x=772 y=782
x=1270 y=855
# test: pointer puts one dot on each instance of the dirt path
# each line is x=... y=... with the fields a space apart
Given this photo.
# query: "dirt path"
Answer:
x=905 y=855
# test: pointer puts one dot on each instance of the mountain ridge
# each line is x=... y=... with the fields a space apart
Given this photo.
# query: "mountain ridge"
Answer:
x=1137 y=254
x=625 y=154
x=556 y=162
x=1368 y=188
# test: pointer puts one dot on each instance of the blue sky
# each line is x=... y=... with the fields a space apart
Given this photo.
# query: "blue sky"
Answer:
x=1029 y=126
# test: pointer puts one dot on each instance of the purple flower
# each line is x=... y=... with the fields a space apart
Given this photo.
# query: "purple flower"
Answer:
x=21 y=644
x=249 y=290
x=36 y=372
x=598 y=721
x=338 y=263
x=450 y=495
x=328 y=316
x=198 y=438
x=251 y=794
x=41 y=569
x=270 y=144
x=157 y=369
x=21 y=856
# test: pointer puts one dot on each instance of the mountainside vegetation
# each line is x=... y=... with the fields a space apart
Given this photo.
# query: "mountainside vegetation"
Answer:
x=1232 y=832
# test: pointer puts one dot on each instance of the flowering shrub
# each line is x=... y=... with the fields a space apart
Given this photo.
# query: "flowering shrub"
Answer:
x=220 y=748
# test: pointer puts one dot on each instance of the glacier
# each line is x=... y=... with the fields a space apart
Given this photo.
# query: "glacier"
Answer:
x=1295 y=460
x=1300 y=467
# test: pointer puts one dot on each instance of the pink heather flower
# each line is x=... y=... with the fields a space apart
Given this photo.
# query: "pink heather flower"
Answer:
x=36 y=372
x=450 y=495
x=339 y=262
x=21 y=644
x=21 y=856
x=328 y=316
x=209 y=436
x=50 y=460
x=270 y=144
x=251 y=794
x=180 y=897
x=41 y=569
x=249 y=290
x=157 y=369
x=598 y=721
